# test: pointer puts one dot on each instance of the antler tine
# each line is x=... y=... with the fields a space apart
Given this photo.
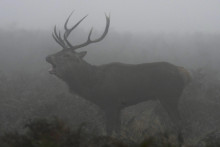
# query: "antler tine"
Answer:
x=68 y=31
x=106 y=29
x=90 y=33
x=58 y=38
x=67 y=20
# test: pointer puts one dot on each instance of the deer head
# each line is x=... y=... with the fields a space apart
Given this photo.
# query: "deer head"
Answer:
x=68 y=58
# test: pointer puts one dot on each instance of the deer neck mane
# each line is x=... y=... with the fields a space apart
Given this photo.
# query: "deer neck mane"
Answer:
x=83 y=79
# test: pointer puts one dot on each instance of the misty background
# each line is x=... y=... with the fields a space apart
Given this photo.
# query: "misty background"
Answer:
x=184 y=32
x=133 y=16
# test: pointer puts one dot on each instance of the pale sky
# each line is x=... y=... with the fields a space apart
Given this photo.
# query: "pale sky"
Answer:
x=126 y=15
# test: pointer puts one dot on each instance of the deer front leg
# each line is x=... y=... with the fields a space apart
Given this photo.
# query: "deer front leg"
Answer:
x=113 y=121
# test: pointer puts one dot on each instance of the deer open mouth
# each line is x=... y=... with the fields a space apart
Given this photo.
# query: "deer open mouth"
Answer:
x=52 y=69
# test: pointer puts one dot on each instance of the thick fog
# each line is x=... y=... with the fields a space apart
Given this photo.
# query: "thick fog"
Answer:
x=184 y=32
x=132 y=16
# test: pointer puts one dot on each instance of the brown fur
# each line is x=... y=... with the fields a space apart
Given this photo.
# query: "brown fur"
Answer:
x=115 y=86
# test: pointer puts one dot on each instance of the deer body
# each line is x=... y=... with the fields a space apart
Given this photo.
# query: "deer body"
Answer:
x=127 y=84
x=115 y=86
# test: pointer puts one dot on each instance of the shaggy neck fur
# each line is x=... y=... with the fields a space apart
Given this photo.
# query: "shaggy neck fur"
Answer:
x=83 y=79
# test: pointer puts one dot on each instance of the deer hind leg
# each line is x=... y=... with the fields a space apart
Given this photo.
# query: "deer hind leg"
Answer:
x=171 y=106
x=113 y=121
x=170 y=101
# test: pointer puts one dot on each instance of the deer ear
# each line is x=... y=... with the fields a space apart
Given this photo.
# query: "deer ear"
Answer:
x=82 y=54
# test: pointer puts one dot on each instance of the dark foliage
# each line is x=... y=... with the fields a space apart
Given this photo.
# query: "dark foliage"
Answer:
x=54 y=133
x=211 y=140
x=44 y=133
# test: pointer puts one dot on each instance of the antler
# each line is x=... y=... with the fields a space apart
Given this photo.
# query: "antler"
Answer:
x=64 y=41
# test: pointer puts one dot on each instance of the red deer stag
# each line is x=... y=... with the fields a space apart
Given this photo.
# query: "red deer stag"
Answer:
x=115 y=86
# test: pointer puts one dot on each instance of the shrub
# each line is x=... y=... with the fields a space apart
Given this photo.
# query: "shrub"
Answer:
x=44 y=133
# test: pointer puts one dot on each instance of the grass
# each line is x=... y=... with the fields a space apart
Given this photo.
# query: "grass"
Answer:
x=55 y=133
